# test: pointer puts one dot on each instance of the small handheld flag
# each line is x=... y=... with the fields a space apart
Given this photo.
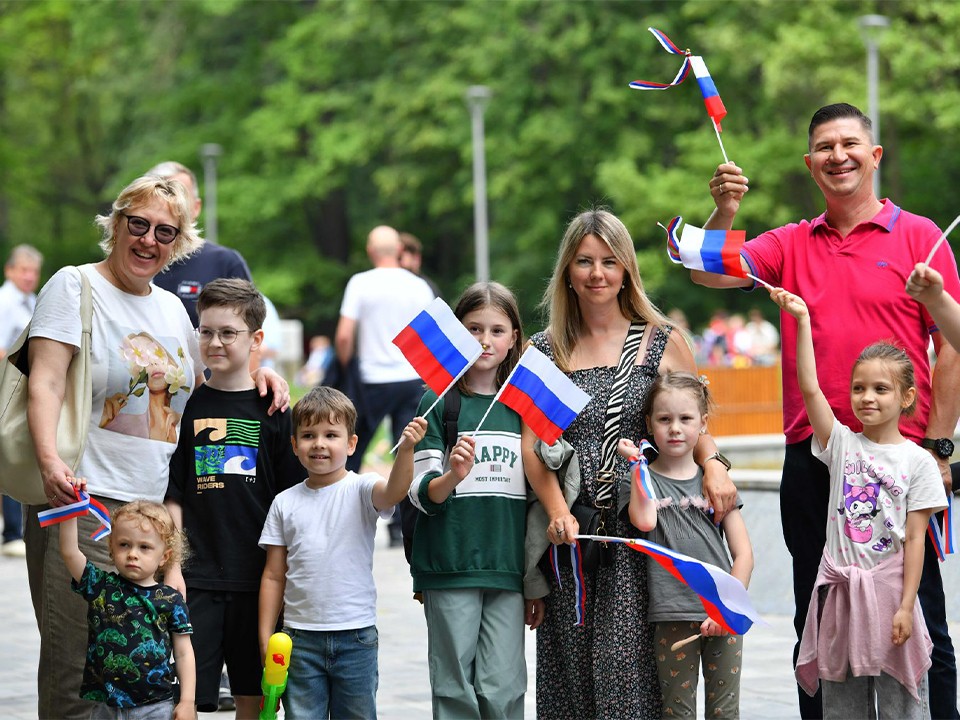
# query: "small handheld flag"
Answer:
x=711 y=98
x=641 y=471
x=542 y=395
x=942 y=538
x=438 y=346
x=724 y=598
x=714 y=251
x=708 y=89
x=84 y=504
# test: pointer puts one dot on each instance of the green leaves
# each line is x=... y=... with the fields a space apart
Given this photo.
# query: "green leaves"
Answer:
x=338 y=115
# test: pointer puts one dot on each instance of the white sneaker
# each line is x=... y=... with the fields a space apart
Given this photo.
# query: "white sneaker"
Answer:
x=14 y=548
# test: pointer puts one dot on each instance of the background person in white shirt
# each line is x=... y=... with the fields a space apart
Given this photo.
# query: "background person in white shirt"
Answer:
x=377 y=304
x=17 y=299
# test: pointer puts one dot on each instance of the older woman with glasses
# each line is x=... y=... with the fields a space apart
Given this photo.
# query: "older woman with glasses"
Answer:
x=146 y=361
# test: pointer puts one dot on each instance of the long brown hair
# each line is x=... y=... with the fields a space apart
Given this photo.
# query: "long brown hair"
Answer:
x=493 y=295
x=566 y=322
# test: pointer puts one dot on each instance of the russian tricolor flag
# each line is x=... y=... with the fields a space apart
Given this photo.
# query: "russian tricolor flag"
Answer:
x=438 y=346
x=711 y=98
x=544 y=397
x=84 y=504
x=713 y=251
x=724 y=598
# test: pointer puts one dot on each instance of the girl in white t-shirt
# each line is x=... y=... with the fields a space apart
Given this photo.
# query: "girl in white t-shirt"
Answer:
x=865 y=640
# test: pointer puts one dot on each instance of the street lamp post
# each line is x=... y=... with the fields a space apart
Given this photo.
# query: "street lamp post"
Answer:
x=209 y=153
x=477 y=98
x=871 y=30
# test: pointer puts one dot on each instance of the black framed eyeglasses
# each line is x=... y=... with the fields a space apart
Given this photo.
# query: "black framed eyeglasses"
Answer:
x=138 y=227
x=227 y=336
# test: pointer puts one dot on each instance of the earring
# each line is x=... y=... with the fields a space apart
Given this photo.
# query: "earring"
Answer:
x=570 y=285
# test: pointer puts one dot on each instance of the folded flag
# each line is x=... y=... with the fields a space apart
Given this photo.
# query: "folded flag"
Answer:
x=641 y=471
x=724 y=597
x=943 y=537
x=708 y=88
x=711 y=98
x=438 y=346
x=714 y=251
x=84 y=504
x=542 y=395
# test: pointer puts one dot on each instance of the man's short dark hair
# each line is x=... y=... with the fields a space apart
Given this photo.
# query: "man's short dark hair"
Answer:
x=410 y=243
x=838 y=111
x=237 y=294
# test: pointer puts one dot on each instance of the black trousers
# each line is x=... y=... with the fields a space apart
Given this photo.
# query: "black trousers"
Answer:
x=804 y=500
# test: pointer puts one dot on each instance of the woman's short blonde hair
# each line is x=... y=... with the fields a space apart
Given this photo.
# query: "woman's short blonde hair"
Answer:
x=143 y=191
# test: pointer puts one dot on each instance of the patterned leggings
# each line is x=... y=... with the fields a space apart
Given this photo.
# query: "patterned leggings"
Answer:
x=679 y=670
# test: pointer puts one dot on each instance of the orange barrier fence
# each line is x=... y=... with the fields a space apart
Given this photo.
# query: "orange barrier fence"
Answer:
x=748 y=400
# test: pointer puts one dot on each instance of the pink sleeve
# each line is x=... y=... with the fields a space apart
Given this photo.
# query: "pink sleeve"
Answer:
x=764 y=254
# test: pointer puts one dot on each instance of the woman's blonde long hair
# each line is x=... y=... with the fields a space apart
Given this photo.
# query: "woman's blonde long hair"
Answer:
x=565 y=321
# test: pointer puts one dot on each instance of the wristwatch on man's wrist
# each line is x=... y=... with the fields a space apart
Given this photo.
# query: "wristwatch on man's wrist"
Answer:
x=942 y=447
x=722 y=459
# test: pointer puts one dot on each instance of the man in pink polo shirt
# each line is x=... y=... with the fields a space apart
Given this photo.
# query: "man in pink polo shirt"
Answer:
x=850 y=265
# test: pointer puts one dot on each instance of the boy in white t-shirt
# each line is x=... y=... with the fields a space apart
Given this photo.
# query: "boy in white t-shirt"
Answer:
x=319 y=541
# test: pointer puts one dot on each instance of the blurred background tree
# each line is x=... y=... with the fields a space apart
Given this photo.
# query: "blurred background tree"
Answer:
x=338 y=115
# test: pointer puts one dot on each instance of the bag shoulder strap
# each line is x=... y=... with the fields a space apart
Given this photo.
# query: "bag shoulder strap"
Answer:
x=451 y=418
x=86 y=303
x=611 y=425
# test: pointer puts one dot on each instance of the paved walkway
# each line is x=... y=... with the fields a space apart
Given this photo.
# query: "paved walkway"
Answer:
x=767 y=689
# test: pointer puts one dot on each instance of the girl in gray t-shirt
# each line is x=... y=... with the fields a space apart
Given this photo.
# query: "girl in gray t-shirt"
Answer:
x=680 y=518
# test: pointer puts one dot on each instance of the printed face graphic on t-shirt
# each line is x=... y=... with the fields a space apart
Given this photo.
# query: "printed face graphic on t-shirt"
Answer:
x=147 y=385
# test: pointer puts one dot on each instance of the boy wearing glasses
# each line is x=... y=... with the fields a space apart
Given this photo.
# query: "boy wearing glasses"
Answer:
x=232 y=458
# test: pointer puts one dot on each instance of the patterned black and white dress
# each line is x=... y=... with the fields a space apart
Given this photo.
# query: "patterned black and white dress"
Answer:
x=607 y=668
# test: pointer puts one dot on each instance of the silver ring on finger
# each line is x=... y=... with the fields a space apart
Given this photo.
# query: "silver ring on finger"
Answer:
x=722 y=191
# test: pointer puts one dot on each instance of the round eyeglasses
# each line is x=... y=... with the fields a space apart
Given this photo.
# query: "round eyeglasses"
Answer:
x=138 y=227
x=227 y=336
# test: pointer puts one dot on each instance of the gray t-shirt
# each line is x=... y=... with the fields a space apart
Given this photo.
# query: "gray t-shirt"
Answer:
x=684 y=525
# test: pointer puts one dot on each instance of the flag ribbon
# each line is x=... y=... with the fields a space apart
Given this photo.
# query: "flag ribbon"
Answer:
x=673 y=242
x=671 y=48
x=579 y=591
x=942 y=537
x=84 y=504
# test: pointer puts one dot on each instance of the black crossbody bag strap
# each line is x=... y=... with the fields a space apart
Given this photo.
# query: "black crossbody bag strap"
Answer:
x=606 y=479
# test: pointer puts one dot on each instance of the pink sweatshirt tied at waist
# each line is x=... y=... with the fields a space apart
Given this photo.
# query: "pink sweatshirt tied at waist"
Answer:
x=856 y=627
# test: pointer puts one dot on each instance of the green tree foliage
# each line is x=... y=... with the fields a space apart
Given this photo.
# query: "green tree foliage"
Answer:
x=338 y=115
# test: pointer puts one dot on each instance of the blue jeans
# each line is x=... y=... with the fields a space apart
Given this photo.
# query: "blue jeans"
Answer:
x=333 y=674
x=12 y=519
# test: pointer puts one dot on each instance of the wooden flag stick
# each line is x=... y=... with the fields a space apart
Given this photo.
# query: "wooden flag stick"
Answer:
x=686 y=641
x=722 y=149
x=765 y=284
x=942 y=238
x=427 y=412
